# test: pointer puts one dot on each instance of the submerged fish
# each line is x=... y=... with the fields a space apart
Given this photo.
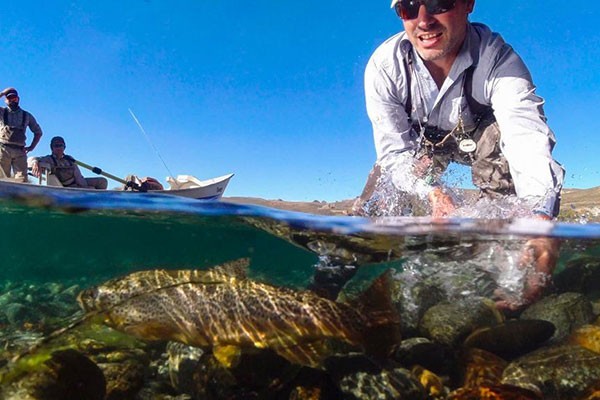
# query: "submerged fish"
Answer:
x=222 y=309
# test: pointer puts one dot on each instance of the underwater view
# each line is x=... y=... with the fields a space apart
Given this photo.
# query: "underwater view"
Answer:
x=140 y=296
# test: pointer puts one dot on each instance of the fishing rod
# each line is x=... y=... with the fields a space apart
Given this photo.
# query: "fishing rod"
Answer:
x=150 y=142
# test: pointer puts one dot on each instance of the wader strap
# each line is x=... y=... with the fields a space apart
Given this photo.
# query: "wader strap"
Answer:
x=56 y=171
x=407 y=60
x=5 y=118
x=480 y=111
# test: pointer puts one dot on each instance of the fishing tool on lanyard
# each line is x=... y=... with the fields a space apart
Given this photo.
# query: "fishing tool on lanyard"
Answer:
x=431 y=137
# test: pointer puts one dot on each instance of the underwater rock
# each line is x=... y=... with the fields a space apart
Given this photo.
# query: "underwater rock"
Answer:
x=125 y=372
x=340 y=249
x=304 y=393
x=359 y=378
x=329 y=280
x=596 y=307
x=482 y=368
x=559 y=372
x=67 y=374
x=566 y=311
x=183 y=363
x=423 y=352
x=28 y=305
x=587 y=336
x=482 y=379
x=412 y=298
x=6 y=298
x=17 y=314
x=511 y=338
x=499 y=392
x=201 y=376
x=580 y=275
x=449 y=323
x=433 y=384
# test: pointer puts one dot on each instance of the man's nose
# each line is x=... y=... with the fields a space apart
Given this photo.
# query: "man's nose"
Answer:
x=424 y=19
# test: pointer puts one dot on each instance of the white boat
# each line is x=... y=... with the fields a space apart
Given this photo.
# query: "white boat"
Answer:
x=182 y=186
x=190 y=186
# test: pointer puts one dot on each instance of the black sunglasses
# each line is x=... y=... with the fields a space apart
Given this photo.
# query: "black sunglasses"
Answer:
x=58 y=145
x=409 y=9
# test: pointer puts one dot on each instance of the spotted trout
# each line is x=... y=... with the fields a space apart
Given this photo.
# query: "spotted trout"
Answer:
x=222 y=309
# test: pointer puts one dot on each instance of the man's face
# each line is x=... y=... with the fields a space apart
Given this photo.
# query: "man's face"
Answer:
x=11 y=99
x=439 y=37
x=58 y=149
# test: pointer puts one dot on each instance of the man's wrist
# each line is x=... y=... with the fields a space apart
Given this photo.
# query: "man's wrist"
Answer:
x=543 y=216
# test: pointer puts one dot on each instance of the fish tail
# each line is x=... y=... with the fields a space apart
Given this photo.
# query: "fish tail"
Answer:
x=381 y=335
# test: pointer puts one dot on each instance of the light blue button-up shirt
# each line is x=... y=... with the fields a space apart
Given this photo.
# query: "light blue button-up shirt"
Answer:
x=500 y=80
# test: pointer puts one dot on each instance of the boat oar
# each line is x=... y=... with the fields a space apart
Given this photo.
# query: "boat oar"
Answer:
x=99 y=171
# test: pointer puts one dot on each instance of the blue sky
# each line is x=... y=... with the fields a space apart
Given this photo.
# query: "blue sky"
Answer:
x=269 y=90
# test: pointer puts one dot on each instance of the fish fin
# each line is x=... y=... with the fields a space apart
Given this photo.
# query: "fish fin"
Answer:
x=222 y=273
x=235 y=269
x=228 y=356
x=310 y=354
x=382 y=333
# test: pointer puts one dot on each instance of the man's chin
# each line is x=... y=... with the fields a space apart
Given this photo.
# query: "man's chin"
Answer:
x=431 y=54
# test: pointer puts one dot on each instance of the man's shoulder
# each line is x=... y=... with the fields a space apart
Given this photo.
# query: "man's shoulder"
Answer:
x=488 y=40
x=388 y=52
x=44 y=159
x=27 y=113
x=391 y=45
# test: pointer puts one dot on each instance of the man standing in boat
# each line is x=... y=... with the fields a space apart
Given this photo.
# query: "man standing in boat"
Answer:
x=64 y=167
x=14 y=121
x=448 y=90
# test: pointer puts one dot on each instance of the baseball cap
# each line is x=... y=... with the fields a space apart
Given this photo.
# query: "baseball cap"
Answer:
x=10 y=91
x=57 y=139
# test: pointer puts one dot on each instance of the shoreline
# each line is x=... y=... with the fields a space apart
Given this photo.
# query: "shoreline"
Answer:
x=576 y=203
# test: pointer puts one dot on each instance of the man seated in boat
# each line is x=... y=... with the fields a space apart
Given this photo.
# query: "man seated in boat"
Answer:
x=64 y=167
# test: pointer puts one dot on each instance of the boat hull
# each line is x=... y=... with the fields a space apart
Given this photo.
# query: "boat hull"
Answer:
x=212 y=189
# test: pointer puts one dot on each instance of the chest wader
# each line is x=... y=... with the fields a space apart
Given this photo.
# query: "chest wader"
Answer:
x=12 y=147
x=13 y=135
x=477 y=146
x=64 y=173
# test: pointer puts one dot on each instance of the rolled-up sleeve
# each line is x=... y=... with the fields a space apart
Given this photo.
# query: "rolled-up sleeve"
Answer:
x=526 y=139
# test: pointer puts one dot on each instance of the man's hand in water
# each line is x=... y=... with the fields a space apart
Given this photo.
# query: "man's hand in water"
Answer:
x=539 y=257
x=442 y=204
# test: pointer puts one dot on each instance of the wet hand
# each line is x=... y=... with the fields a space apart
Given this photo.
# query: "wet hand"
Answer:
x=542 y=254
x=442 y=204
x=422 y=166
x=538 y=257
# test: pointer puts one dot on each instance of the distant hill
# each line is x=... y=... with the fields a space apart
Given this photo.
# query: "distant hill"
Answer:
x=582 y=197
x=576 y=203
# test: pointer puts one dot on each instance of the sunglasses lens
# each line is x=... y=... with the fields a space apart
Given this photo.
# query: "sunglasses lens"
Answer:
x=409 y=9
x=439 y=6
